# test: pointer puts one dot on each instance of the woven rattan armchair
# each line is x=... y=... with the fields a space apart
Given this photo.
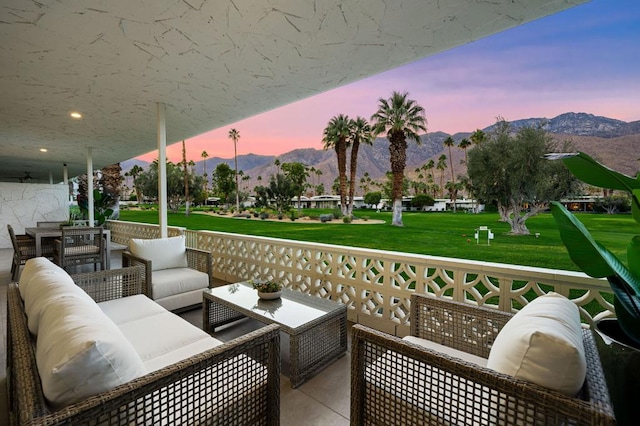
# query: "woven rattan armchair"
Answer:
x=397 y=382
x=198 y=390
x=80 y=245
x=199 y=260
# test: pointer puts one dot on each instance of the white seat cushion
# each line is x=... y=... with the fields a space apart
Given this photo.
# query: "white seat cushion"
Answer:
x=80 y=352
x=474 y=359
x=542 y=344
x=164 y=253
x=160 y=337
x=414 y=387
x=169 y=282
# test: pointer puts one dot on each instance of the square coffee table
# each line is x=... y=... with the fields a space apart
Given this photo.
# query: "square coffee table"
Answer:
x=317 y=327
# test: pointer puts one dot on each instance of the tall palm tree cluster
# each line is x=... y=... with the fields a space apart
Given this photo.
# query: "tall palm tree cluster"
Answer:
x=341 y=134
x=401 y=118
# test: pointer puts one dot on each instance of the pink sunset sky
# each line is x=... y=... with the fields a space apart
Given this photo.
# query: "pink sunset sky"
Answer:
x=585 y=59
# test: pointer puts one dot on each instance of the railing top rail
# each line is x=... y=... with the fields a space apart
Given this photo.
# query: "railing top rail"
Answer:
x=516 y=272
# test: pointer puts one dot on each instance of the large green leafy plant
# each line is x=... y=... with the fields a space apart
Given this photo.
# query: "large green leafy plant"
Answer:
x=102 y=206
x=593 y=258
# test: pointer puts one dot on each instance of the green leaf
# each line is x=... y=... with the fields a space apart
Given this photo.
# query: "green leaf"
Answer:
x=633 y=256
x=590 y=171
x=629 y=319
x=635 y=204
x=583 y=249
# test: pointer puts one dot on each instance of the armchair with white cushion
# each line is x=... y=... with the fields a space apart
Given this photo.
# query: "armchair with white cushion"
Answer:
x=465 y=365
x=174 y=275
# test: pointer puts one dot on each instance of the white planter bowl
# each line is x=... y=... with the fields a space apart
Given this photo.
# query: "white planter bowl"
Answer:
x=272 y=295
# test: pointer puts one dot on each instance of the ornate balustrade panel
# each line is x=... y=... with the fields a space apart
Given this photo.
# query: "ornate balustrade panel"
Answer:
x=376 y=285
x=122 y=231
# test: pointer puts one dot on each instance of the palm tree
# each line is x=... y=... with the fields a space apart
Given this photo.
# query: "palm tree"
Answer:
x=449 y=142
x=401 y=118
x=336 y=135
x=464 y=144
x=429 y=167
x=134 y=172
x=453 y=188
x=186 y=179
x=235 y=135
x=204 y=156
x=360 y=134
x=442 y=164
x=478 y=137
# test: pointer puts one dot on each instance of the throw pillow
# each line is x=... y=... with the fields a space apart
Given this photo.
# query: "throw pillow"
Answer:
x=80 y=352
x=164 y=253
x=542 y=344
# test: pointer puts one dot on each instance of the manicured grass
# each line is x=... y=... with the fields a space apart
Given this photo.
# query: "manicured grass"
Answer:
x=438 y=234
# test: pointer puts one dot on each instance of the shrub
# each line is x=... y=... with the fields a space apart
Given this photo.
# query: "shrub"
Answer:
x=422 y=200
x=326 y=218
x=346 y=219
x=337 y=213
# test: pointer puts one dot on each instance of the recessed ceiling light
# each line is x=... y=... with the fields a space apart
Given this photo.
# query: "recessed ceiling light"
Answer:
x=76 y=115
x=43 y=149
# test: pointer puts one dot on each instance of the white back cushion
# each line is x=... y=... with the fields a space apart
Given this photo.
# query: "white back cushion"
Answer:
x=46 y=284
x=80 y=352
x=164 y=253
x=542 y=344
x=31 y=267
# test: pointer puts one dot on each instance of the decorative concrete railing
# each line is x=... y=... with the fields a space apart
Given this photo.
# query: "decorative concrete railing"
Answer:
x=122 y=231
x=377 y=285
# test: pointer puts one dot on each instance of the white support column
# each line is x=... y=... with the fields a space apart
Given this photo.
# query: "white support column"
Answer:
x=162 y=170
x=50 y=178
x=65 y=179
x=65 y=174
x=90 y=185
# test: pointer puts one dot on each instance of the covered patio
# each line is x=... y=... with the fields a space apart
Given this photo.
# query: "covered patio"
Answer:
x=146 y=74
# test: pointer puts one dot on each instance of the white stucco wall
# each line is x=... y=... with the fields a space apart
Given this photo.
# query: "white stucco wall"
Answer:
x=24 y=204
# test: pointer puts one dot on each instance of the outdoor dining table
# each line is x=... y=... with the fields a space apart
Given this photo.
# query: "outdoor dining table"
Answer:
x=40 y=232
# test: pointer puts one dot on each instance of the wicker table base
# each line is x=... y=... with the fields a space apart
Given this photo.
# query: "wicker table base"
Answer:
x=317 y=327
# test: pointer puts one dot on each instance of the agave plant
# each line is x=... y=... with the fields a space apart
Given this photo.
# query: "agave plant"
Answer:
x=593 y=258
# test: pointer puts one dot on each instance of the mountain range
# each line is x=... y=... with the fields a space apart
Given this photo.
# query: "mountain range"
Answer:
x=614 y=142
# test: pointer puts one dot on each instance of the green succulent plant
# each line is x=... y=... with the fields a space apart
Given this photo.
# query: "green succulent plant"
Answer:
x=268 y=286
x=592 y=257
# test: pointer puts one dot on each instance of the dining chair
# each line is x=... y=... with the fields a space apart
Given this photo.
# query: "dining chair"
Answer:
x=24 y=248
x=80 y=245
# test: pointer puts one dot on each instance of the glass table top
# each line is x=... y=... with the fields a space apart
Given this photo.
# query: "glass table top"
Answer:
x=293 y=309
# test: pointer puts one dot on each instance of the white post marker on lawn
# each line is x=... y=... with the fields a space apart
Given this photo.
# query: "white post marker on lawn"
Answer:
x=489 y=234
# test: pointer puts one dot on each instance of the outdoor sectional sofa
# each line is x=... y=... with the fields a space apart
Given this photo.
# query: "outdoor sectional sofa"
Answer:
x=91 y=349
x=445 y=373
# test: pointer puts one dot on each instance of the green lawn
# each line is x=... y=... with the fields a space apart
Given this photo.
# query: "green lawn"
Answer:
x=438 y=234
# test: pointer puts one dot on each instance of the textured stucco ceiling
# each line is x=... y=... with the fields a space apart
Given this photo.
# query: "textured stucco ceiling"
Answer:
x=211 y=62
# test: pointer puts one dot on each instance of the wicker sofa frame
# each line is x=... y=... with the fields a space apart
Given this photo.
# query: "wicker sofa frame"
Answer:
x=490 y=398
x=167 y=396
x=196 y=259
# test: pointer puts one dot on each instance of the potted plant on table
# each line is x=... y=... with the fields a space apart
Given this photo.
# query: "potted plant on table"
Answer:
x=268 y=289
x=618 y=339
